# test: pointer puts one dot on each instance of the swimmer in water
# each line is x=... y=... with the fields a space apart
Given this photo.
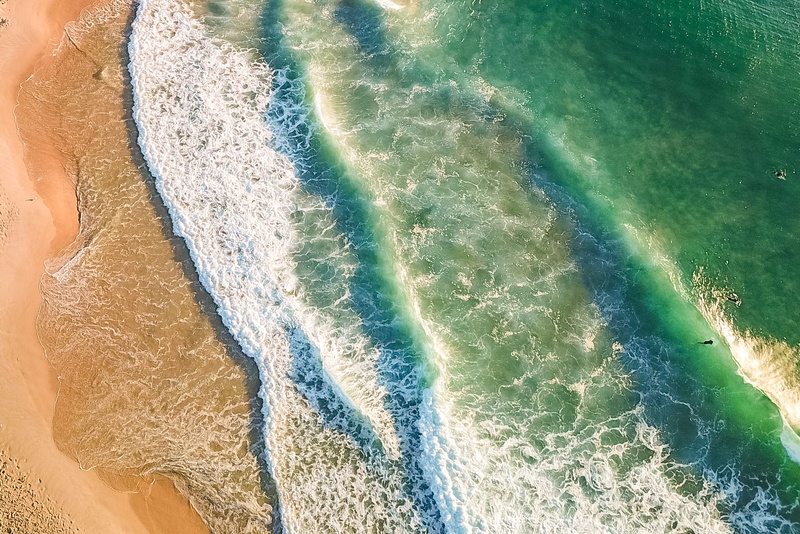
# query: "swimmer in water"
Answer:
x=781 y=175
x=733 y=297
x=706 y=342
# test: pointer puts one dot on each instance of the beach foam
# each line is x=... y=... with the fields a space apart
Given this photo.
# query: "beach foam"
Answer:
x=200 y=105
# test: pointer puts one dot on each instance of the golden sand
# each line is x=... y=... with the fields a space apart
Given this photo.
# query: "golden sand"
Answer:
x=41 y=490
x=127 y=405
x=150 y=381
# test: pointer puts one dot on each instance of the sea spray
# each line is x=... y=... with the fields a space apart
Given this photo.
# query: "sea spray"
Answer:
x=234 y=21
x=533 y=419
x=769 y=365
x=377 y=297
x=688 y=144
x=199 y=106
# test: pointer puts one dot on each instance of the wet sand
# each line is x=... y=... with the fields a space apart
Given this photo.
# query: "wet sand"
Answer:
x=42 y=489
x=151 y=383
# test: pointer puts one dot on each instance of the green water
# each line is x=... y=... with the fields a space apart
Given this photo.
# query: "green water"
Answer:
x=672 y=117
x=667 y=123
x=523 y=218
x=444 y=116
x=670 y=121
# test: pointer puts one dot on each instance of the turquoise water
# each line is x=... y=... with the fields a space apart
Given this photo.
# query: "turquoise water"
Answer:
x=509 y=228
x=686 y=110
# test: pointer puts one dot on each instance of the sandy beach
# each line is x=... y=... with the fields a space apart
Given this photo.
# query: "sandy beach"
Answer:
x=41 y=489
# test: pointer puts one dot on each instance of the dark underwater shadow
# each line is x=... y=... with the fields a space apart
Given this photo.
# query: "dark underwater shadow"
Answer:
x=400 y=367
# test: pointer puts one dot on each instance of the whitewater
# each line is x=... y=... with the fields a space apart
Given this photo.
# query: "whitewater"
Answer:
x=434 y=353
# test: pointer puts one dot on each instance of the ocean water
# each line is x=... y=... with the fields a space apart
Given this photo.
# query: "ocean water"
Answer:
x=474 y=250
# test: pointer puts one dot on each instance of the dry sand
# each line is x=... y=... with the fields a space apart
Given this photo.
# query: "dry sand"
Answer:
x=41 y=489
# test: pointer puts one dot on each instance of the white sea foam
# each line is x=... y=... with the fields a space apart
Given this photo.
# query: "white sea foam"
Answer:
x=596 y=477
x=769 y=365
x=791 y=442
x=199 y=106
x=388 y=4
x=235 y=21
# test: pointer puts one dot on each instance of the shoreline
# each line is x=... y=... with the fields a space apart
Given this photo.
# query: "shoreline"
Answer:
x=45 y=490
